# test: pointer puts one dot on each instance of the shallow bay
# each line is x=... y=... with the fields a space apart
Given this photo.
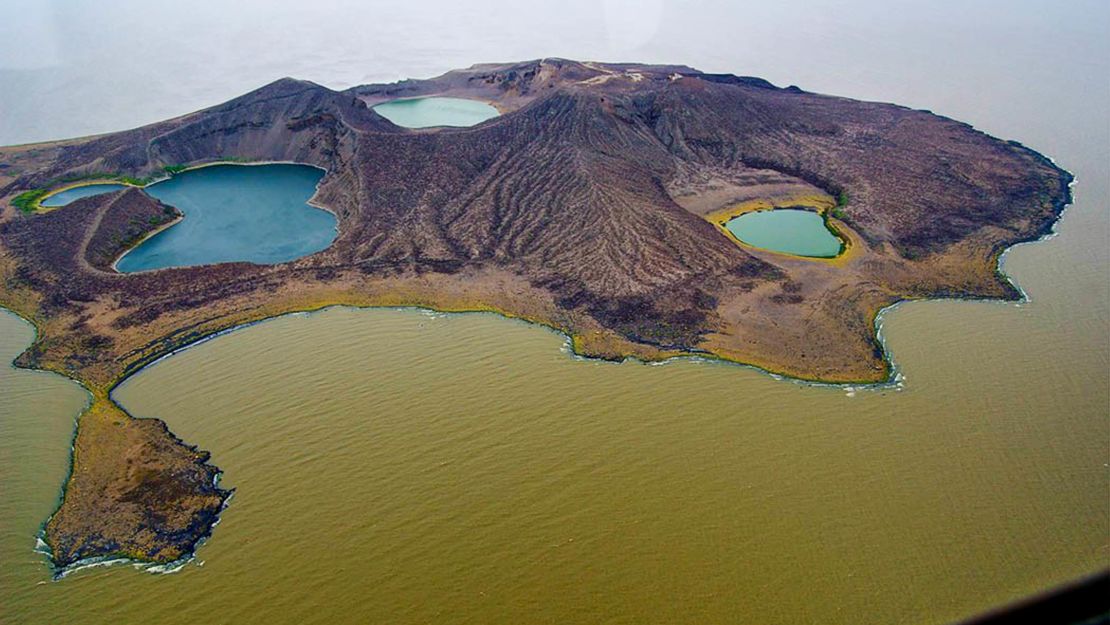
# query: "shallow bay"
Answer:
x=407 y=465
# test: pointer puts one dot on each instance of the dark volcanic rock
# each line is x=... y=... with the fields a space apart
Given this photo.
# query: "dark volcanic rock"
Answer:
x=124 y=222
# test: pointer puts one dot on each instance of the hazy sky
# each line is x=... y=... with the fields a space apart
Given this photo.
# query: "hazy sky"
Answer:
x=78 y=67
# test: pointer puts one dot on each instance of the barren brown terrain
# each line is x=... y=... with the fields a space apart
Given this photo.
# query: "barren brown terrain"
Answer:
x=592 y=205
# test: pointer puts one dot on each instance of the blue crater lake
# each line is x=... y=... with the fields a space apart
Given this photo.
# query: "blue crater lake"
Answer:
x=62 y=198
x=429 y=112
x=789 y=230
x=255 y=213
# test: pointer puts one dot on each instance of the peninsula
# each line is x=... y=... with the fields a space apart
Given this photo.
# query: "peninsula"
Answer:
x=595 y=203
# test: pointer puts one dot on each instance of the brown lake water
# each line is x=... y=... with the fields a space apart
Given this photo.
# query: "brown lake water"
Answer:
x=405 y=467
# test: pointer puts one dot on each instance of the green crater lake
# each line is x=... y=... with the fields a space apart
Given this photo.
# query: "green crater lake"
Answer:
x=69 y=195
x=429 y=112
x=790 y=230
x=232 y=213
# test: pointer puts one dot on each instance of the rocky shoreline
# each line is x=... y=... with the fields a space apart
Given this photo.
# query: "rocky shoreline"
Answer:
x=159 y=504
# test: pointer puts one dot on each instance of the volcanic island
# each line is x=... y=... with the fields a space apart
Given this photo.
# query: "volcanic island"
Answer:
x=594 y=204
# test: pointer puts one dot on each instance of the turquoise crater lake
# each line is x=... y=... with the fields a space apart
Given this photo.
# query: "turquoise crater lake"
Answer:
x=62 y=198
x=789 y=230
x=256 y=213
x=430 y=112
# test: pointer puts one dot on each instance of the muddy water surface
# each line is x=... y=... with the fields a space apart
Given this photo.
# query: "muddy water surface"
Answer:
x=397 y=467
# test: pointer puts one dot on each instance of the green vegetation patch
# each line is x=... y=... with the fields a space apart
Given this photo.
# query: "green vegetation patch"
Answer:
x=838 y=210
x=28 y=201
